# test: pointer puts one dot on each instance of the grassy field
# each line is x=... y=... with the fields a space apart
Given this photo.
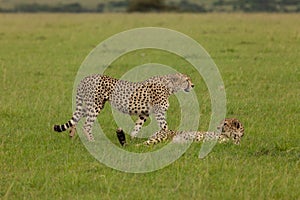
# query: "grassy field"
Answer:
x=258 y=58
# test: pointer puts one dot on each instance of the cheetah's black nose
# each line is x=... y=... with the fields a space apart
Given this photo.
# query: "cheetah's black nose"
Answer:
x=192 y=85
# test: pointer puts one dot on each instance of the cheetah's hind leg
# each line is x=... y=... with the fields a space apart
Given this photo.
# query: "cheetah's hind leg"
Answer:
x=72 y=131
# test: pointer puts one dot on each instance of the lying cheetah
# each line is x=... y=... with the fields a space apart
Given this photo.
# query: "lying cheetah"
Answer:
x=231 y=129
x=133 y=98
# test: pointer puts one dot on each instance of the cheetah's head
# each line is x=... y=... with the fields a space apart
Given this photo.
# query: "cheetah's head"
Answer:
x=232 y=128
x=180 y=82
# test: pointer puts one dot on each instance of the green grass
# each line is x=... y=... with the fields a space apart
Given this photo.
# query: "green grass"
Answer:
x=257 y=55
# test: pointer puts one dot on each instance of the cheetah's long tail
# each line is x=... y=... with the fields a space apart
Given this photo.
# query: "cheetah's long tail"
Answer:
x=77 y=115
x=64 y=127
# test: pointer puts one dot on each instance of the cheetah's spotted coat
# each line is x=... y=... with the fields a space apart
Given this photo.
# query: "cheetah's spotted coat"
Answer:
x=229 y=129
x=133 y=98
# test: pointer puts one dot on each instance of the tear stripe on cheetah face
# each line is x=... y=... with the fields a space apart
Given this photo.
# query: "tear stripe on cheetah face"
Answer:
x=231 y=129
x=133 y=98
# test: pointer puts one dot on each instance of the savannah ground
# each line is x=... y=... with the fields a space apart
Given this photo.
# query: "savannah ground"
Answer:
x=258 y=58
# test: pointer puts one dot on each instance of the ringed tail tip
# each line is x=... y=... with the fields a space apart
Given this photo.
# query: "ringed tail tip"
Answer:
x=57 y=128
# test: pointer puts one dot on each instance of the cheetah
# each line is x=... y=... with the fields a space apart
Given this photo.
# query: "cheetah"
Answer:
x=230 y=128
x=133 y=98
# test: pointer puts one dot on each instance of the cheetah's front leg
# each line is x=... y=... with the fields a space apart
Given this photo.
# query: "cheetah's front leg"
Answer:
x=160 y=111
x=160 y=117
x=138 y=125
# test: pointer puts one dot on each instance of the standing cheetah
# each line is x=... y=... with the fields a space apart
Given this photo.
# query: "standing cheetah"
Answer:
x=133 y=98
